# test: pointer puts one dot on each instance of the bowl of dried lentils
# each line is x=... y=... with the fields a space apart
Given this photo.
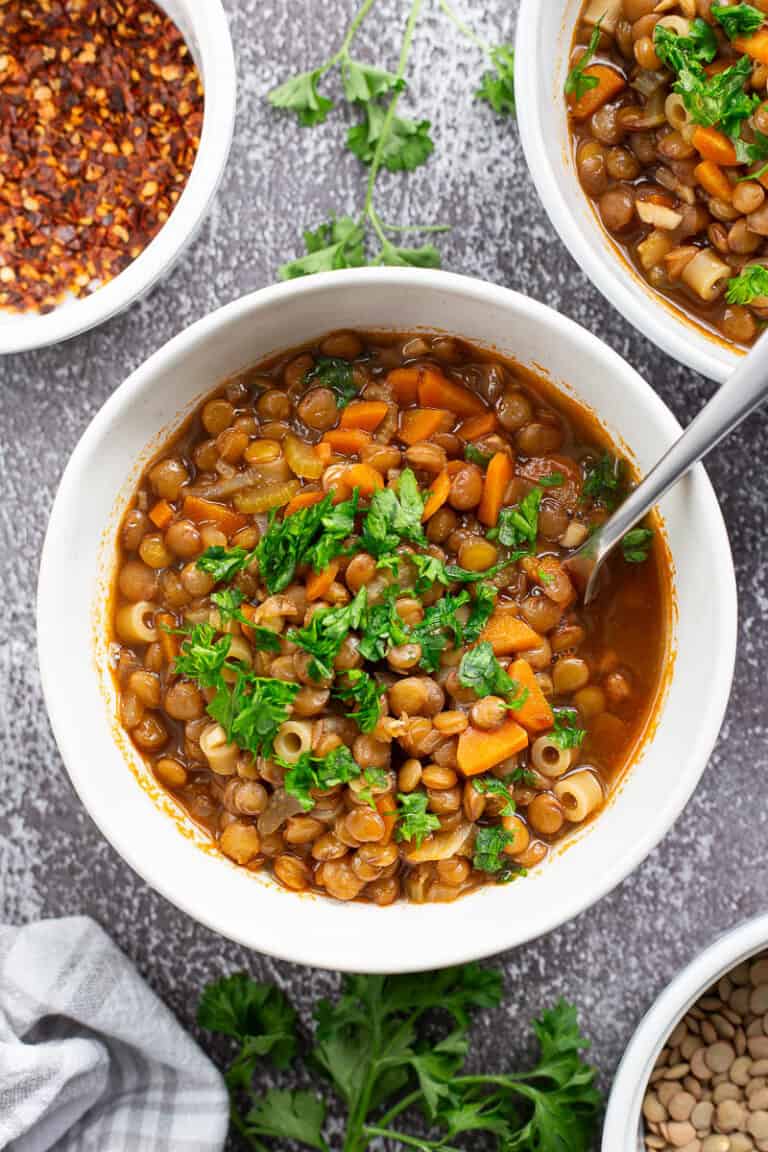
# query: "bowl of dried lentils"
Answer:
x=116 y=119
x=695 y=1075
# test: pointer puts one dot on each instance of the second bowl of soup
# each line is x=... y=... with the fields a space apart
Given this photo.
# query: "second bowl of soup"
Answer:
x=337 y=646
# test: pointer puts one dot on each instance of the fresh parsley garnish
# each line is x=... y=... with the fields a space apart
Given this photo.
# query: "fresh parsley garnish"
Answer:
x=321 y=772
x=751 y=282
x=553 y=480
x=489 y=849
x=252 y=710
x=310 y=536
x=414 y=1055
x=490 y=786
x=481 y=612
x=636 y=545
x=299 y=94
x=402 y=144
x=480 y=670
x=720 y=99
x=383 y=628
x=331 y=372
x=223 y=564
x=566 y=732
x=497 y=84
x=604 y=482
x=365 y=693
x=475 y=456
x=414 y=822
x=577 y=84
x=394 y=516
x=228 y=601
x=440 y=622
x=202 y=656
x=338 y=243
x=680 y=52
x=738 y=19
x=329 y=627
x=518 y=526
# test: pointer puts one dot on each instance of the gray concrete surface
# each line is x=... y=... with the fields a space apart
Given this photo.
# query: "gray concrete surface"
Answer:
x=710 y=872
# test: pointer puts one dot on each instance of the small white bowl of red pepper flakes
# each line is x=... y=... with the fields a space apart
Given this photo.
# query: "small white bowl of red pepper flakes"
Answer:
x=115 y=126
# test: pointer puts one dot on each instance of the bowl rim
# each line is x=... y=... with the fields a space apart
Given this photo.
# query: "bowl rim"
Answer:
x=213 y=45
x=656 y=319
x=731 y=947
x=65 y=726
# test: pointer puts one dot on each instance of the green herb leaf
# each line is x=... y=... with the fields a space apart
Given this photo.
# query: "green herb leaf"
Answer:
x=414 y=822
x=228 y=601
x=406 y=146
x=363 y=691
x=339 y=243
x=223 y=564
x=312 y=536
x=394 y=516
x=738 y=19
x=289 y=1116
x=258 y=1015
x=482 y=610
x=680 y=52
x=299 y=94
x=475 y=456
x=577 y=84
x=327 y=631
x=553 y=480
x=202 y=656
x=751 y=151
x=751 y=283
x=321 y=772
x=603 y=483
x=490 y=786
x=383 y=628
x=497 y=85
x=636 y=545
x=718 y=100
x=519 y=526
x=440 y=622
x=489 y=849
x=362 y=83
x=566 y=732
x=425 y=256
x=331 y=372
x=480 y=670
x=252 y=711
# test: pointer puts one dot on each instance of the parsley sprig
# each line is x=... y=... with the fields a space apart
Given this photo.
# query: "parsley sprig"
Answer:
x=480 y=670
x=751 y=283
x=738 y=19
x=336 y=374
x=566 y=732
x=414 y=823
x=321 y=772
x=578 y=83
x=497 y=84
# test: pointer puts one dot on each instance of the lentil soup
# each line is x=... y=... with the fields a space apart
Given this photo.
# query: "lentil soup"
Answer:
x=668 y=112
x=345 y=640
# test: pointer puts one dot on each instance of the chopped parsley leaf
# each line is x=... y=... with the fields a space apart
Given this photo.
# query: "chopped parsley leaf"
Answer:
x=414 y=822
x=321 y=772
x=518 y=526
x=553 y=480
x=577 y=83
x=480 y=670
x=497 y=84
x=475 y=456
x=362 y=690
x=252 y=710
x=394 y=516
x=228 y=601
x=720 y=99
x=202 y=657
x=738 y=19
x=566 y=732
x=432 y=633
x=482 y=609
x=490 y=786
x=489 y=849
x=603 y=483
x=681 y=52
x=223 y=564
x=751 y=283
x=636 y=545
x=331 y=372
x=382 y=628
x=327 y=631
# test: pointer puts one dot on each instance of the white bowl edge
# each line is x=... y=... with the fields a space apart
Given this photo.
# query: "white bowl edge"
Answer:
x=544 y=33
x=314 y=930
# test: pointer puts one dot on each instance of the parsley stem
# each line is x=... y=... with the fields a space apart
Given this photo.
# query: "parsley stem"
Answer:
x=385 y=1120
x=352 y=31
x=464 y=28
x=410 y=1141
x=415 y=227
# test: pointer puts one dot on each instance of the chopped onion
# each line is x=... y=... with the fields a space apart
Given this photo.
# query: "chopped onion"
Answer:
x=302 y=458
x=281 y=806
x=444 y=845
x=266 y=497
x=658 y=215
x=228 y=487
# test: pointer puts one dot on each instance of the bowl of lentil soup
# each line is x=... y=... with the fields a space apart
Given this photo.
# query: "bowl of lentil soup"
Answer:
x=386 y=631
x=694 y=1073
x=619 y=161
x=131 y=106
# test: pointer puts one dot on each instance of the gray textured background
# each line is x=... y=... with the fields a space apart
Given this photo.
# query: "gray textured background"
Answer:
x=711 y=870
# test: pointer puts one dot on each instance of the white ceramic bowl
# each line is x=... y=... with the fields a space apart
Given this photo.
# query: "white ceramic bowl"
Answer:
x=78 y=560
x=544 y=35
x=203 y=24
x=623 y=1120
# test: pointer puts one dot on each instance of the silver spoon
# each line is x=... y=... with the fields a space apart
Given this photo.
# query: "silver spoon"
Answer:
x=745 y=390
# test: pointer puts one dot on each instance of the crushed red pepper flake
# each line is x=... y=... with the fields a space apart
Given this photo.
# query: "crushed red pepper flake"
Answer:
x=101 y=109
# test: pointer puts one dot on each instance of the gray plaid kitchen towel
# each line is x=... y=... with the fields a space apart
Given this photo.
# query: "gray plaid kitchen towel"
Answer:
x=90 y=1059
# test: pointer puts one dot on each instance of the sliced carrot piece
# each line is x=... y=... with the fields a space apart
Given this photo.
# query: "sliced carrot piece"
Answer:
x=497 y=478
x=438 y=494
x=303 y=500
x=208 y=512
x=755 y=46
x=360 y=476
x=437 y=391
x=421 y=423
x=170 y=644
x=715 y=146
x=713 y=180
x=609 y=84
x=318 y=583
x=480 y=750
x=454 y=466
x=161 y=514
x=387 y=809
x=478 y=426
x=404 y=382
x=366 y=414
x=347 y=441
x=535 y=713
x=507 y=634
x=323 y=451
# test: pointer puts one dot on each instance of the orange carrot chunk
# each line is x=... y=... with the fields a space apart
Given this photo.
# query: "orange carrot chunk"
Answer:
x=755 y=46
x=497 y=479
x=478 y=426
x=480 y=750
x=713 y=180
x=366 y=414
x=303 y=500
x=507 y=634
x=404 y=383
x=437 y=391
x=318 y=583
x=208 y=512
x=609 y=84
x=170 y=644
x=535 y=713
x=387 y=809
x=361 y=476
x=161 y=514
x=715 y=146
x=438 y=494
x=422 y=423
x=347 y=441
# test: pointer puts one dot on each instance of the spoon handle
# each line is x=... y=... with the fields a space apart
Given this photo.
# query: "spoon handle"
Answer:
x=744 y=391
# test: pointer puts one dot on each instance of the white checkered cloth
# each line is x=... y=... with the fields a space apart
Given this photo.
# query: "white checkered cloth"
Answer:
x=90 y=1059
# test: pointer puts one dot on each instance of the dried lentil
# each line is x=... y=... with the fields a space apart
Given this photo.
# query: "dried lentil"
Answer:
x=101 y=109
